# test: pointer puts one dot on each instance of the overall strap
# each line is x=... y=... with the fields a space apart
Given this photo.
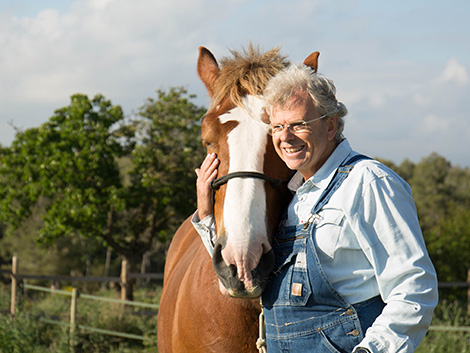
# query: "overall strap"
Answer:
x=341 y=174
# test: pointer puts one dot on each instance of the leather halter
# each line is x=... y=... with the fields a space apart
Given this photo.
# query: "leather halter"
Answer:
x=217 y=183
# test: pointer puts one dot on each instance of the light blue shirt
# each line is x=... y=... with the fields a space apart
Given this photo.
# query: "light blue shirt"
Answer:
x=370 y=243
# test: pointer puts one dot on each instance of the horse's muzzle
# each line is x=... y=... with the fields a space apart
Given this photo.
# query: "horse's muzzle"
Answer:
x=228 y=274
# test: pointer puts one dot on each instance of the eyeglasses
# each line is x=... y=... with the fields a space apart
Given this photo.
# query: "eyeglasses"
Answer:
x=294 y=127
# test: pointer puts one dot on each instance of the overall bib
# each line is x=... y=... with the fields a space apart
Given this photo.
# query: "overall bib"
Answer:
x=303 y=312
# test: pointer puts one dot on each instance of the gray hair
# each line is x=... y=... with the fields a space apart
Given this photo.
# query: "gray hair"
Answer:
x=302 y=78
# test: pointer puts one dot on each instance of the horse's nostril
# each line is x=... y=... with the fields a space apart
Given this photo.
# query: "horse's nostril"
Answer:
x=266 y=248
x=233 y=270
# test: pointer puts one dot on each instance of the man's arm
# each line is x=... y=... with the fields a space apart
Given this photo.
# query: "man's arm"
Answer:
x=205 y=175
x=389 y=233
x=203 y=220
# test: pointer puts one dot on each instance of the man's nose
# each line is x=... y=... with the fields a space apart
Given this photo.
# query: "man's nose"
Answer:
x=286 y=134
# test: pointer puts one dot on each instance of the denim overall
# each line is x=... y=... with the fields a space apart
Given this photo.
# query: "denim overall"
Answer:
x=303 y=312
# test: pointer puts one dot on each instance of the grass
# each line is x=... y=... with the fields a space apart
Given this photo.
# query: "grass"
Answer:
x=448 y=314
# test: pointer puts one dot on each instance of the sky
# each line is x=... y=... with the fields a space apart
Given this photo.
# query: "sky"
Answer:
x=402 y=68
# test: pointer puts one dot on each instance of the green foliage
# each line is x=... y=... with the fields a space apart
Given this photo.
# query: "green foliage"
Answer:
x=69 y=256
x=162 y=177
x=25 y=334
x=96 y=175
x=449 y=245
x=21 y=335
x=430 y=190
x=447 y=314
x=70 y=161
x=442 y=195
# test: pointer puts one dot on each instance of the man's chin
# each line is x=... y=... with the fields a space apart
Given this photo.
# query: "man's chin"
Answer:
x=293 y=163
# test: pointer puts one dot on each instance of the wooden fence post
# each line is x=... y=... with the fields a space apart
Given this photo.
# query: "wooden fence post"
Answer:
x=124 y=279
x=14 y=284
x=73 y=319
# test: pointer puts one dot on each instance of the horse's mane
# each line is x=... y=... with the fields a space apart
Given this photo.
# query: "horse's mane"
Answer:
x=247 y=72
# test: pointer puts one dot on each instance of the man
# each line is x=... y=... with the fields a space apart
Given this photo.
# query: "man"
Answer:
x=352 y=272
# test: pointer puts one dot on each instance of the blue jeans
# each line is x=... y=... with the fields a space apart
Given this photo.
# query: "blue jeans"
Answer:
x=303 y=312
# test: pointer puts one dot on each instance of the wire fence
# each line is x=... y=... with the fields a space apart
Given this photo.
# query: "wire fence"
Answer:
x=73 y=324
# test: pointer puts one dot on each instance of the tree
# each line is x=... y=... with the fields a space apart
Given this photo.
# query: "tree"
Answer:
x=161 y=181
x=71 y=164
x=430 y=191
x=406 y=169
x=449 y=245
x=442 y=196
x=449 y=242
x=70 y=161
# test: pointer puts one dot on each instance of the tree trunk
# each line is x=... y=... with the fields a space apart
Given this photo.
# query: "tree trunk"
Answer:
x=127 y=284
x=107 y=264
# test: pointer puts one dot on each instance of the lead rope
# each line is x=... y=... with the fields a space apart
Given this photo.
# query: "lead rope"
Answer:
x=261 y=342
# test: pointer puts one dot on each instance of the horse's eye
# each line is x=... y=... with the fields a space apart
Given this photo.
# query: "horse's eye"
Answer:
x=209 y=145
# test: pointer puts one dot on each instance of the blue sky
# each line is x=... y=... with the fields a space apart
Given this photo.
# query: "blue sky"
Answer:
x=402 y=68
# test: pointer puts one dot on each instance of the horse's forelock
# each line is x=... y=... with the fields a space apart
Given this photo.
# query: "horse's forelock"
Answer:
x=246 y=72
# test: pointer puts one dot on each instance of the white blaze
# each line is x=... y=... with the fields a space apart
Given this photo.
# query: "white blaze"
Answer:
x=245 y=201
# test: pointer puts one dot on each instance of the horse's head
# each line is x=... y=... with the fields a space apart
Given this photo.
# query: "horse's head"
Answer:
x=247 y=206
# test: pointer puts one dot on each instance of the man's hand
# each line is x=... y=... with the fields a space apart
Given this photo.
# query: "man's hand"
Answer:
x=205 y=175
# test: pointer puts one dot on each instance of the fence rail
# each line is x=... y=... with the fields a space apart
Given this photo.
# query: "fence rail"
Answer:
x=123 y=279
x=69 y=278
x=74 y=326
x=91 y=297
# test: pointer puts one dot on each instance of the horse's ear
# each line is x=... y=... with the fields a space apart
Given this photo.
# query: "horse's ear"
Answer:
x=207 y=69
x=312 y=60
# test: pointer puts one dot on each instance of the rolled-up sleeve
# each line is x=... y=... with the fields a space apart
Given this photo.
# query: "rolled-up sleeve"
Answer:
x=388 y=230
x=206 y=230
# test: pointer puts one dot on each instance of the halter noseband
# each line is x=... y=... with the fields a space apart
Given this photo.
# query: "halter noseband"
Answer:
x=217 y=183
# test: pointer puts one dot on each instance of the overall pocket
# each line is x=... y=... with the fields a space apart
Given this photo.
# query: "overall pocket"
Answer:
x=289 y=284
x=299 y=284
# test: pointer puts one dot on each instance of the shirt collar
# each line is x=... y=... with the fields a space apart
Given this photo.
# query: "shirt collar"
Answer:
x=323 y=176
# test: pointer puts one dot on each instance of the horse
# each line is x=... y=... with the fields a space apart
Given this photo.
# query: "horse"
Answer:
x=213 y=306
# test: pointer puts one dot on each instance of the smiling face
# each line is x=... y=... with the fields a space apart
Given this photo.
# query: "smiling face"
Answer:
x=306 y=150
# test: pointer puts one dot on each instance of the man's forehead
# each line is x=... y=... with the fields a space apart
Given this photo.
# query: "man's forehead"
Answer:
x=297 y=100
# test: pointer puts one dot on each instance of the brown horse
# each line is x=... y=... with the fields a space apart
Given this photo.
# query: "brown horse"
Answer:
x=194 y=315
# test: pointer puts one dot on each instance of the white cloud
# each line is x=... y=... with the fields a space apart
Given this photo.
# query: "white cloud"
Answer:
x=454 y=72
x=377 y=100
x=100 y=47
x=434 y=123
x=421 y=100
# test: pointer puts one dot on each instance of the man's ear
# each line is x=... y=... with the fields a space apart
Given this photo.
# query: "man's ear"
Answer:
x=332 y=124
